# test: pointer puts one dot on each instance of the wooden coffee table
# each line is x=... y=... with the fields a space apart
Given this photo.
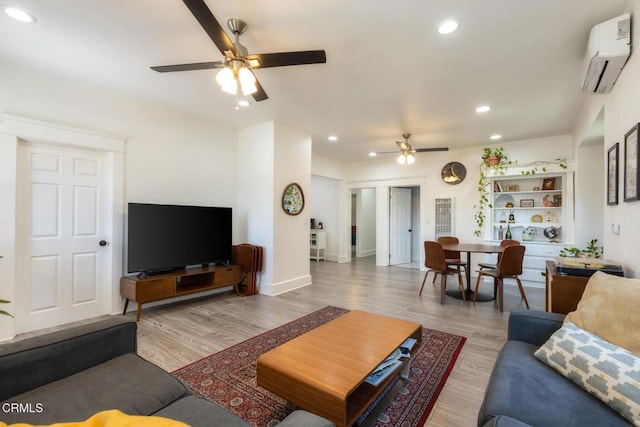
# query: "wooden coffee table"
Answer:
x=323 y=371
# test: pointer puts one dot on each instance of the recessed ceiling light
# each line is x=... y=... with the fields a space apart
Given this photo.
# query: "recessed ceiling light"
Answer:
x=483 y=109
x=332 y=138
x=496 y=136
x=19 y=15
x=373 y=154
x=448 y=26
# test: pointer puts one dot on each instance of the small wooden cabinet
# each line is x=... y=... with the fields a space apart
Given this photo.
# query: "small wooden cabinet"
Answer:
x=563 y=292
x=183 y=282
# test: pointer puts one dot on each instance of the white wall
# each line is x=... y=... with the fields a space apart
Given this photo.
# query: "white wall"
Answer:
x=292 y=163
x=256 y=195
x=621 y=112
x=590 y=195
x=271 y=156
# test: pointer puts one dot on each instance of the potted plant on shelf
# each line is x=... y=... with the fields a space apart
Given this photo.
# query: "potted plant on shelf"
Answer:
x=492 y=159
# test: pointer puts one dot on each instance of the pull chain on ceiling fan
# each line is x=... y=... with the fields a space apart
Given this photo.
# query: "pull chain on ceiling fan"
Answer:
x=236 y=74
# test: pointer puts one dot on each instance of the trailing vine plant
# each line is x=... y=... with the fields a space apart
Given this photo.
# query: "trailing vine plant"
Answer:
x=5 y=313
x=490 y=168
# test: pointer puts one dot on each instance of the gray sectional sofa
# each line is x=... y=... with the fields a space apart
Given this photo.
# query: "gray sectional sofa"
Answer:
x=523 y=391
x=71 y=374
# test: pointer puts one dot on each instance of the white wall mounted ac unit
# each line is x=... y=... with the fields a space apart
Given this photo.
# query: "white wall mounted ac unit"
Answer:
x=607 y=52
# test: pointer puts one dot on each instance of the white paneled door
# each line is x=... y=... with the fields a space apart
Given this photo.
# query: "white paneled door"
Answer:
x=62 y=221
x=400 y=226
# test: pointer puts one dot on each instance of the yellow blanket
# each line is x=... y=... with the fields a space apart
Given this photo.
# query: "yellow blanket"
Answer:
x=113 y=418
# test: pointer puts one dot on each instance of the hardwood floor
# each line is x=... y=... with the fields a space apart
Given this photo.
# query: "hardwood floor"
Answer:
x=174 y=335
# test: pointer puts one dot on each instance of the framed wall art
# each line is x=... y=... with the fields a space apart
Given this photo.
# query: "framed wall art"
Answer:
x=293 y=199
x=631 y=164
x=612 y=174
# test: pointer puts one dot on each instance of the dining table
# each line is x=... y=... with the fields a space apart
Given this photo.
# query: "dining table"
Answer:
x=470 y=248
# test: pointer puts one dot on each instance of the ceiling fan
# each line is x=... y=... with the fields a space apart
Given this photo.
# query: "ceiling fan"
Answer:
x=407 y=151
x=238 y=65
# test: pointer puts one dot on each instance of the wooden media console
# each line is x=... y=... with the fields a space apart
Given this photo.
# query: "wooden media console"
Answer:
x=175 y=284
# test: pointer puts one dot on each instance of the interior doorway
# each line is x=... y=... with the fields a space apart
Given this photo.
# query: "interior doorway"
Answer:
x=363 y=225
x=404 y=227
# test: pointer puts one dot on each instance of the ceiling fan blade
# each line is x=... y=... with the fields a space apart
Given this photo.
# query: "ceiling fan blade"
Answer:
x=211 y=25
x=281 y=59
x=188 y=67
x=260 y=94
x=425 y=150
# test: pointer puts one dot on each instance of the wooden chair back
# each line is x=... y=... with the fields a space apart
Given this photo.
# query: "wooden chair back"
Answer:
x=434 y=256
x=511 y=261
x=505 y=243
x=450 y=240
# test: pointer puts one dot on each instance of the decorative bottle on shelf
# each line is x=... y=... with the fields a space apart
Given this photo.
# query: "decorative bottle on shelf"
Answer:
x=503 y=217
x=500 y=233
x=508 y=233
x=512 y=217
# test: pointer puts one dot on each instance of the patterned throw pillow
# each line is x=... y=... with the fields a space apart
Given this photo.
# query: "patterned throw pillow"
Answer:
x=607 y=371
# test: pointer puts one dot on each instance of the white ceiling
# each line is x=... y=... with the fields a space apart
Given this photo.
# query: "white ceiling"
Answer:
x=387 y=69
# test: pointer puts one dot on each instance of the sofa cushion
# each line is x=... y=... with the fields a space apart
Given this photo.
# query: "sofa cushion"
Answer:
x=524 y=388
x=604 y=310
x=201 y=413
x=128 y=383
x=607 y=371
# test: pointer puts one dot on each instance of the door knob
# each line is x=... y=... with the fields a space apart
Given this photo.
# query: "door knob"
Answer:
x=103 y=243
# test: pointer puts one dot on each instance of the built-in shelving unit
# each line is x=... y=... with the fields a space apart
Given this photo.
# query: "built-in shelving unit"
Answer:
x=530 y=207
x=542 y=210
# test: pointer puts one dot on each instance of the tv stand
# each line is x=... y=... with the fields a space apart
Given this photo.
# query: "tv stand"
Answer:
x=144 y=289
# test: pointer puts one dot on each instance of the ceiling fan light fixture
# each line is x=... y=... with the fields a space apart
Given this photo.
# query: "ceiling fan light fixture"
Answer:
x=225 y=77
x=402 y=159
x=373 y=154
x=411 y=159
x=247 y=81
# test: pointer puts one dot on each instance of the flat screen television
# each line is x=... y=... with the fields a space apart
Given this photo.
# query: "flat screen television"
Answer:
x=171 y=237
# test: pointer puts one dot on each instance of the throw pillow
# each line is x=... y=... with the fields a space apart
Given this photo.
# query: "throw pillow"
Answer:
x=609 y=372
x=113 y=418
x=609 y=309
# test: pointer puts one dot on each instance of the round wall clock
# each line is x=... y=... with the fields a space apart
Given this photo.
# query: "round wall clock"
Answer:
x=453 y=173
x=293 y=199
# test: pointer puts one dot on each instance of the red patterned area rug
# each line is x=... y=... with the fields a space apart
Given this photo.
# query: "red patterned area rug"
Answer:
x=229 y=376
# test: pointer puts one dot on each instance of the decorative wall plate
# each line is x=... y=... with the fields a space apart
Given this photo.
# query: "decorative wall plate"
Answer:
x=453 y=173
x=293 y=199
x=536 y=218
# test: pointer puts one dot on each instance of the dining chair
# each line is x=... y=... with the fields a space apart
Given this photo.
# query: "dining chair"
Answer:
x=509 y=267
x=435 y=262
x=503 y=244
x=452 y=258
